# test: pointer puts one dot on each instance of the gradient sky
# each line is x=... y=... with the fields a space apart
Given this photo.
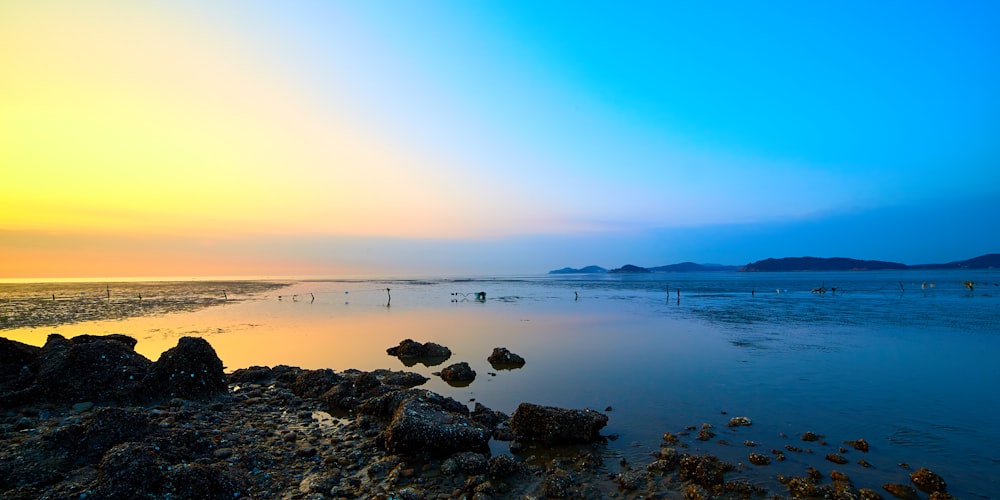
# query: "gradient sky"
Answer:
x=262 y=138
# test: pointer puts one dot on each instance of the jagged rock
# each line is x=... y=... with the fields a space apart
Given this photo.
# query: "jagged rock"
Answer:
x=557 y=483
x=858 y=444
x=630 y=480
x=759 y=459
x=90 y=368
x=551 y=425
x=458 y=373
x=739 y=422
x=424 y=421
x=503 y=359
x=190 y=370
x=927 y=481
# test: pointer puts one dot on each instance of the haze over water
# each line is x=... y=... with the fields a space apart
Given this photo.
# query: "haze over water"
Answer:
x=904 y=360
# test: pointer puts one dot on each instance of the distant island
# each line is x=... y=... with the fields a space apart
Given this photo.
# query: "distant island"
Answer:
x=630 y=269
x=584 y=270
x=788 y=264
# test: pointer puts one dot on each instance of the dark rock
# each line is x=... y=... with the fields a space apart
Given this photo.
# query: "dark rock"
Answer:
x=860 y=445
x=839 y=476
x=927 y=481
x=425 y=423
x=739 y=422
x=901 y=491
x=430 y=354
x=466 y=462
x=759 y=459
x=252 y=375
x=553 y=425
x=400 y=378
x=190 y=370
x=103 y=369
x=810 y=436
x=557 y=483
x=314 y=383
x=88 y=441
x=18 y=365
x=703 y=470
x=503 y=466
x=197 y=481
x=129 y=470
x=503 y=359
x=630 y=480
x=458 y=373
x=836 y=458
x=869 y=494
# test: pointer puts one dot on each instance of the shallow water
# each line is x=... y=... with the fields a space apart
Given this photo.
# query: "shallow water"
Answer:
x=888 y=357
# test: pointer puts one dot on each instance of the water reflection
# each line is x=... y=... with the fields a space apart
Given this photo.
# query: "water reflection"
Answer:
x=911 y=373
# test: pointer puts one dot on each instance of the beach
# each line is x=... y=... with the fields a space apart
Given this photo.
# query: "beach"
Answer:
x=765 y=455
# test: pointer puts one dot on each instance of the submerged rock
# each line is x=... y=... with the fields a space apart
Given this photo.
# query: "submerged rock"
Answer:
x=550 y=425
x=901 y=491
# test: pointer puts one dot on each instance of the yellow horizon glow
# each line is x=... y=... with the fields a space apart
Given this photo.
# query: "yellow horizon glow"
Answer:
x=115 y=119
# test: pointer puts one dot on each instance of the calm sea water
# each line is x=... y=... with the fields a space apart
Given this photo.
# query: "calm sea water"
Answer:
x=905 y=360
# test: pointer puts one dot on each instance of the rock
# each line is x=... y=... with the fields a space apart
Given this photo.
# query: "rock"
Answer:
x=859 y=444
x=90 y=368
x=18 y=366
x=318 y=482
x=901 y=491
x=190 y=370
x=88 y=440
x=412 y=352
x=556 y=483
x=458 y=373
x=630 y=480
x=869 y=494
x=251 y=375
x=466 y=463
x=503 y=359
x=553 y=425
x=839 y=476
x=81 y=407
x=739 y=422
x=314 y=383
x=760 y=459
x=422 y=422
x=703 y=470
x=503 y=466
x=197 y=481
x=927 y=481
x=810 y=436
x=129 y=470
x=836 y=458
x=400 y=378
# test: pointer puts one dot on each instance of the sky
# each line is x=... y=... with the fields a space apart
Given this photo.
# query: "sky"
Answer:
x=444 y=137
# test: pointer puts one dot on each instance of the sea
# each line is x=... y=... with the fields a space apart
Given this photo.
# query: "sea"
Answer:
x=906 y=360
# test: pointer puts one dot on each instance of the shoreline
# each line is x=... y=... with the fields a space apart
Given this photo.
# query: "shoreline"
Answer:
x=286 y=432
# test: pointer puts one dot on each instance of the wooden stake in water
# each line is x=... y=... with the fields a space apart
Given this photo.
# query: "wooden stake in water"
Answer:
x=224 y=296
x=390 y=297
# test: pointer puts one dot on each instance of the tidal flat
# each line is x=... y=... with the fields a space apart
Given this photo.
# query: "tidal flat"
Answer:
x=845 y=367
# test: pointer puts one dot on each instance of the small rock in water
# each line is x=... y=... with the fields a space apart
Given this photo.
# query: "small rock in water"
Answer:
x=901 y=491
x=858 y=444
x=927 y=481
x=760 y=459
x=739 y=422
x=836 y=458
x=810 y=436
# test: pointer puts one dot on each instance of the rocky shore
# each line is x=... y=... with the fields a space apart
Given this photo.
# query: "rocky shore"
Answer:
x=88 y=417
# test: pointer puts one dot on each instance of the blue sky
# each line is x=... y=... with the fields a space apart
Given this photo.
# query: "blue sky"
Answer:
x=510 y=137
